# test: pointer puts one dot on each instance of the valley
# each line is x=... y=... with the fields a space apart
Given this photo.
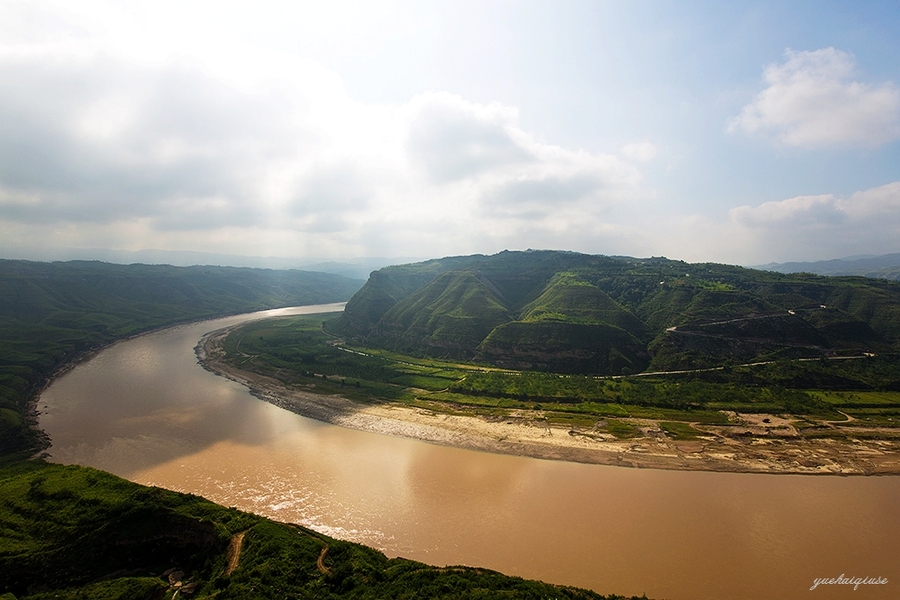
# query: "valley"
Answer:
x=582 y=359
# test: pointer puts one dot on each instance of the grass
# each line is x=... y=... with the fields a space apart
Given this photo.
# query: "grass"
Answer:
x=621 y=429
x=860 y=399
x=680 y=431
x=570 y=419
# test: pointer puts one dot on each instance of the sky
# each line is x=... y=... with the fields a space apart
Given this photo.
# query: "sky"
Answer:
x=732 y=132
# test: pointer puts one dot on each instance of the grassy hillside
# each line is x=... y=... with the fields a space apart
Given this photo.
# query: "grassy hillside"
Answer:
x=580 y=313
x=52 y=312
x=569 y=299
x=563 y=347
x=451 y=314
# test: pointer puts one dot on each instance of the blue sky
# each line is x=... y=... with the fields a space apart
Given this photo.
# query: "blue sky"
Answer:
x=740 y=132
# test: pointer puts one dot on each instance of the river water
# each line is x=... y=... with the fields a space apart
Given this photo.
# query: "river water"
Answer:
x=145 y=410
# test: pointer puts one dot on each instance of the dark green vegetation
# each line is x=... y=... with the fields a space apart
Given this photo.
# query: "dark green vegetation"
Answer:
x=51 y=313
x=576 y=313
x=299 y=351
x=78 y=533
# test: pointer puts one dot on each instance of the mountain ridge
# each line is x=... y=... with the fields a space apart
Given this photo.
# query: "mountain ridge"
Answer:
x=884 y=266
x=612 y=315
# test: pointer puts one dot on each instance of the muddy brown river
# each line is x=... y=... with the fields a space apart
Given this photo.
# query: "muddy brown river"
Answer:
x=145 y=410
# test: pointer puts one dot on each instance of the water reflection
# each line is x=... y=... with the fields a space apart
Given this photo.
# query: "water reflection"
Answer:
x=146 y=401
x=429 y=471
x=145 y=410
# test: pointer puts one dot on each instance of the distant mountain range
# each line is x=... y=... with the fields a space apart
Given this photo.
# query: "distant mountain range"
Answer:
x=354 y=268
x=579 y=313
x=885 y=266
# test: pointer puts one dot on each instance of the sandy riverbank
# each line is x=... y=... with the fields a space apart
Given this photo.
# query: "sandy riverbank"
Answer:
x=750 y=445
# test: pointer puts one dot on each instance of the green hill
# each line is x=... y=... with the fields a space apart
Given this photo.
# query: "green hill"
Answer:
x=579 y=313
x=451 y=314
x=573 y=300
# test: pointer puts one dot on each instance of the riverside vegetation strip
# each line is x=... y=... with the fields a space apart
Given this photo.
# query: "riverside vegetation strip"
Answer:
x=742 y=418
x=73 y=532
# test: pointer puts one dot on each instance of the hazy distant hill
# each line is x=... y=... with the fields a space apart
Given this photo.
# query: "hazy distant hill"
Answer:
x=50 y=312
x=354 y=268
x=569 y=312
x=886 y=266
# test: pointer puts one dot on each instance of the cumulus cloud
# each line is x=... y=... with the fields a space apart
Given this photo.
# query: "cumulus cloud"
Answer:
x=452 y=139
x=479 y=158
x=812 y=100
x=811 y=227
x=800 y=211
x=825 y=225
x=272 y=156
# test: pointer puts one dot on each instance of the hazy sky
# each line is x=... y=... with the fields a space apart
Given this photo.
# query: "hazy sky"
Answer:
x=741 y=132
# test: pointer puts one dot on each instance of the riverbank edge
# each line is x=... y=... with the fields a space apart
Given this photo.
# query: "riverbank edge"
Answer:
x=31 y=414
x=523 y=438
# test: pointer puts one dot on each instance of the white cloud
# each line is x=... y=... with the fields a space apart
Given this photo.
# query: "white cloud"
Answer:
x=453 y=139
x=493 y=184
x=812 y=227
x=794 y=212
x=812 y=101
x=640 y=151
x=271 y=155
x=881 y=204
